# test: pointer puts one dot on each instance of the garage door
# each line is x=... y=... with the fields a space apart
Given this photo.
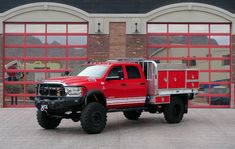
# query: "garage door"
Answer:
x=206 y=46
x=36 y=51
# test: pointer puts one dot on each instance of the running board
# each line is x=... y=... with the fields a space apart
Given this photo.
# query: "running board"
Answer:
x=128 y=109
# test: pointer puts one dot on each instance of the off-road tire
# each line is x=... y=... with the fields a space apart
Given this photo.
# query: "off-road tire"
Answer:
x=174 y=111
x=93 y=118
x=132 y=115
x=46 y=121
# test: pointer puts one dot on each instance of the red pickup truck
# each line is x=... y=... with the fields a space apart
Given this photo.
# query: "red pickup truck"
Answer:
x=128 y=85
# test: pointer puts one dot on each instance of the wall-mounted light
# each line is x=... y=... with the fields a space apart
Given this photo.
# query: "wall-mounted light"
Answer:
x=136 y=27
x=98 y=30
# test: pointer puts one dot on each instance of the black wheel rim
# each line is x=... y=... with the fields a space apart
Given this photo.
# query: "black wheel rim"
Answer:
x=96 y=118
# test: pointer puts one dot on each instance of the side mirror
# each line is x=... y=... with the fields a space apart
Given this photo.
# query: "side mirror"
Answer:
x=66 y=73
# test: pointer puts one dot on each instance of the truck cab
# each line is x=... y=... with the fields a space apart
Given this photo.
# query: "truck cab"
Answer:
x=121 y=85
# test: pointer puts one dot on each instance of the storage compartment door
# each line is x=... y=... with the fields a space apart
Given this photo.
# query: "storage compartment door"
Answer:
x=176 y=79
x=162 y=79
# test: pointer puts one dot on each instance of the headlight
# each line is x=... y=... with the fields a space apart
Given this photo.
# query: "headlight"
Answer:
x=74 y=91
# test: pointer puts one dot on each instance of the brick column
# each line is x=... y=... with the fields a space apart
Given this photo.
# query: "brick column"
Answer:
x=136 y=46
x=117 y=40
x=98 y=47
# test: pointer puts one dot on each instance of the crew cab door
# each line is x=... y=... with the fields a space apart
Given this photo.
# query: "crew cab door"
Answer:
x=136 y=83
x=115 y=84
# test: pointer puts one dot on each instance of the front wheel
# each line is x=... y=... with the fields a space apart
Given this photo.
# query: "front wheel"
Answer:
x=174 y=111
x=93 y=118
x=47 y=122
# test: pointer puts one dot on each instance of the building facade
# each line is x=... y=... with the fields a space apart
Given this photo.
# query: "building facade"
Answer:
x=44 y=39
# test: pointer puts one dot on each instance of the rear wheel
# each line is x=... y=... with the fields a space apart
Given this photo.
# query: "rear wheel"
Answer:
x=93 y=118
x=47 y=122
x=132 y=115
x=174 y=111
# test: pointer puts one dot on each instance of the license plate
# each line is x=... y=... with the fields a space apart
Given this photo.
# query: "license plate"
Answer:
x=44 y=107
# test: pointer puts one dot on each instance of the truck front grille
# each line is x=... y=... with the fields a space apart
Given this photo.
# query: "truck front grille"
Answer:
x=51 y=90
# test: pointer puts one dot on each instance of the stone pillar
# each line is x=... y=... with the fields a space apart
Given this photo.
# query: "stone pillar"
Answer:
x=117 y=40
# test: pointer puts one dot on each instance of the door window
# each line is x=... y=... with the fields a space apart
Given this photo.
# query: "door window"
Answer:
x=116 y=71
x=133 y=72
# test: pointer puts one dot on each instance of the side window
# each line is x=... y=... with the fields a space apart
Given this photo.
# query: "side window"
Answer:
x=115 y=71
x=133 y=72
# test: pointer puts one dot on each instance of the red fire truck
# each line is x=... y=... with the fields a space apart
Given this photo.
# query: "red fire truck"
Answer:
x=131 y=86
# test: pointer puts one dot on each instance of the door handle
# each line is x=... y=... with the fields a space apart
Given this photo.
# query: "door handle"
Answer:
x=142 y=83
x=123 y=84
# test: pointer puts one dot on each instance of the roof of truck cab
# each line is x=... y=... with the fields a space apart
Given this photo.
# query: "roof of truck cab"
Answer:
x=113 y=63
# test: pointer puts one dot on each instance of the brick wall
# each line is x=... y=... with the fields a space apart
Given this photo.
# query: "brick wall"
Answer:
x=98 y=47
x=116 y=45
x=117 y=40
x=136 y=46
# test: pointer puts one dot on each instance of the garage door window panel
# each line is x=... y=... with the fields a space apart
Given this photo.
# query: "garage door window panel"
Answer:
x=199 y=52
x=14 y=40
x=56 y=40
x=178 y=40
x=35 y=28
x=199 y=40
x=178 y=52
x=35 y=52
x=199 y=28
x=220 y=65
x=220 y=28
x=220 y=52
x=157 y=40
x=56 y=28
x=157 y=28
x=220 y=76
x=178 y=28
x=160 y=52
x=77 y=52
x=220 y=40
x=75 y=63
x=35 y=40
x=14 y=52
x=15 y=28
x=77 y=28
x=77 y=40
x=56 y=52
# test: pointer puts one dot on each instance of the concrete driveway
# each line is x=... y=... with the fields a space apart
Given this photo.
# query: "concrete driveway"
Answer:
x=200 y=129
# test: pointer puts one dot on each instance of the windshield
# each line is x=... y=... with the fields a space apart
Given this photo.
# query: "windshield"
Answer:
x=90 y=71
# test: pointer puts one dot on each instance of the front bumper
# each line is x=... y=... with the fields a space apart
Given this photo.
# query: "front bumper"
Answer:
x=58 y=104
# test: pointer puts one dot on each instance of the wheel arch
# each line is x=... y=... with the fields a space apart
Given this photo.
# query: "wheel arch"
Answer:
x=95 y=96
